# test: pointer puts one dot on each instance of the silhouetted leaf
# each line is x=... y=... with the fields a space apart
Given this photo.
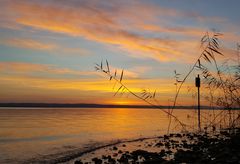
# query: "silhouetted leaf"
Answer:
x=210 y=54
x=118 y=90
x=238 y=47
x=154 y=94
x=107 y=66
x=110 y=78
x=205 y=76
x=97 y=65
x=199 y=63
x=204 y=38
x=217 y=34
x=144 y=90
x=146 y=97
x=214 y=40
x=213 y=49
x=206 y=58
x=122 y=91
x=96 y=68
x=115 y=74
x=144 y=94
x=101 y=65
x=198 y=67
x=121 y=76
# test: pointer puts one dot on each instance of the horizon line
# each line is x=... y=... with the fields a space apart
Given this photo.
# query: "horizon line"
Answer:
x=93 y=105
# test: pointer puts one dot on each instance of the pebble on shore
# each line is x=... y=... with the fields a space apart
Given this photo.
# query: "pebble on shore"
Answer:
x=174 y=148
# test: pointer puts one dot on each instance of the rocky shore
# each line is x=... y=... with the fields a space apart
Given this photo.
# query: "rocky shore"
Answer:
x=221 y=147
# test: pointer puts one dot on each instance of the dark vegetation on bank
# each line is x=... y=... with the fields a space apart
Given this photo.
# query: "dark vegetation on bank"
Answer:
x=223 y=147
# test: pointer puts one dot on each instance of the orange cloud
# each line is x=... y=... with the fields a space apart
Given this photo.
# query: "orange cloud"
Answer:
x=29 y=43
x=14 y=72
x=136 y=85
x=23 y=68
x=46 y=46
x=185 y=31
x=30 y=68
x=111 y=26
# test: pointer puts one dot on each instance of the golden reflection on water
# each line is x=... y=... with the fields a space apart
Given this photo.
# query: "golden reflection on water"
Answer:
x=25 y=133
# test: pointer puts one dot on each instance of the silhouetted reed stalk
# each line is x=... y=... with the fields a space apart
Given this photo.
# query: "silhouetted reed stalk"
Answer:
x=227 y=85
x=228 y=88
x=144 y=96
x=211 y=47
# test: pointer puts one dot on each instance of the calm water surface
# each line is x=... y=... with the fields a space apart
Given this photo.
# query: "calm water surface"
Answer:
x=30 y=132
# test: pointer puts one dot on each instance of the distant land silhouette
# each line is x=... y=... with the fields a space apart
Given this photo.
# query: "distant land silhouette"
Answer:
x=82 y=105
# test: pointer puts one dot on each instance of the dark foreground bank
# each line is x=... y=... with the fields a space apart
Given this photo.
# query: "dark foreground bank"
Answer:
x=222 y=147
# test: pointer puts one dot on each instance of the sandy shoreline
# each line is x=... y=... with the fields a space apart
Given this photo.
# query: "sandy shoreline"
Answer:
x=172 y=148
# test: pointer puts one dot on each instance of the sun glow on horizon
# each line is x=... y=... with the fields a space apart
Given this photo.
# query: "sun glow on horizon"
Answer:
x=124 y=103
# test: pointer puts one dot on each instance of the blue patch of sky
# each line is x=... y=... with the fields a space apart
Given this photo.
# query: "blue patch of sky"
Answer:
x=12 y=54
x=215 y=8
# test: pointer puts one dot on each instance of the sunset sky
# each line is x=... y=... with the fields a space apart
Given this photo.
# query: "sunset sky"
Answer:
x=48 y=48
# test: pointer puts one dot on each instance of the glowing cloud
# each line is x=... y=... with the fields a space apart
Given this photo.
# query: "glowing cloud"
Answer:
x=110 y=25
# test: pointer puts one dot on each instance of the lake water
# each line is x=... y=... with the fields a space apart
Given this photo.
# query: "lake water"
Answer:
x=32 y=132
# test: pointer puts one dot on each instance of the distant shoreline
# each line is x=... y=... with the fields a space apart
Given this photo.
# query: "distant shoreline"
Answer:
x=81 y=105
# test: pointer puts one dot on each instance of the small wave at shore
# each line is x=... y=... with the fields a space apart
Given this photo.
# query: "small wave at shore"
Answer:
x=78 y=152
